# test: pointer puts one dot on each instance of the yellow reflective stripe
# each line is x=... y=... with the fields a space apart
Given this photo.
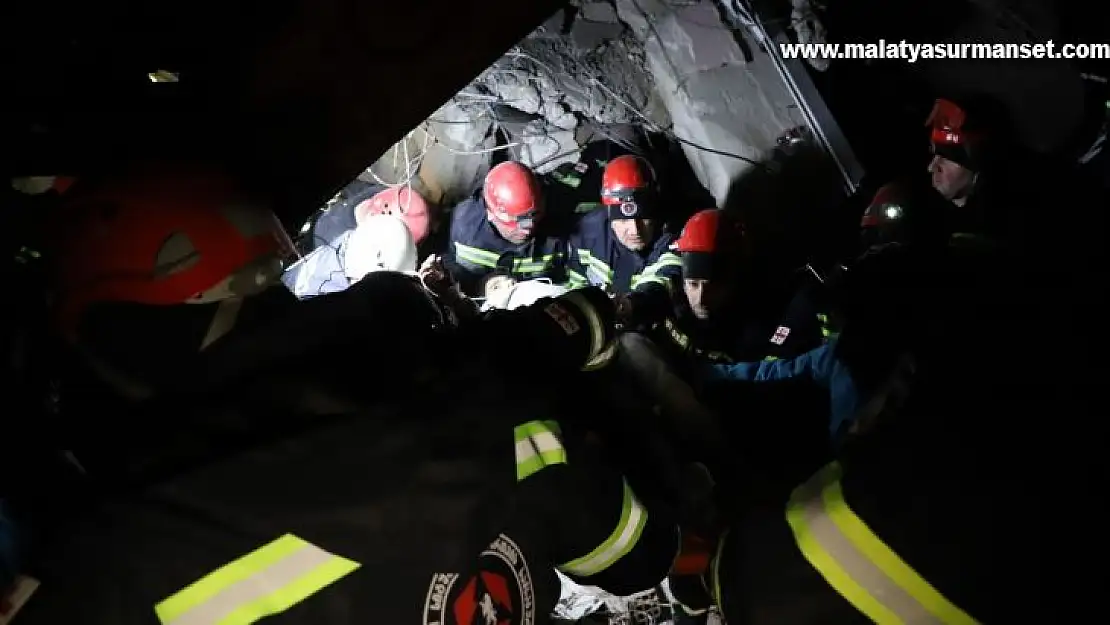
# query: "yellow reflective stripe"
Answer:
x=715 y=574
x=535 y=265
x=639 y=280
x=667 y=259
x=676 y=335
x=267 y=581
x=475 y=256
x=575 y=279
x=537 y=447
x=597 y=267
x=770 y=358
x=650 y=275
x=598 y=345
x=823 y=320
x=623 y=539
x=856 y=562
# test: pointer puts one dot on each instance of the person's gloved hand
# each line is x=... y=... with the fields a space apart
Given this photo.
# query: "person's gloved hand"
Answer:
x=436 y=278
x=624 y=308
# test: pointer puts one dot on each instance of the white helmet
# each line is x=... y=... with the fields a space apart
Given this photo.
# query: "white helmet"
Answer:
x=379 y=243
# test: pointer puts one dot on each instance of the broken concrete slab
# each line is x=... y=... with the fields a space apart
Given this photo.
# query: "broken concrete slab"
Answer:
x=461 y=127
x=557 y=114
x=599 y=11
x=543 y=149
x=587 y=35
x=715 y=98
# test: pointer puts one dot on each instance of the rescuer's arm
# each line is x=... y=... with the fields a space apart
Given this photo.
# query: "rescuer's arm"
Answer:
x=466 y=264
x=650 y=299
x=819 y=365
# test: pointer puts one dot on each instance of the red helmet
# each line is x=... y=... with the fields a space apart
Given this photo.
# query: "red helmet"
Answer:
x=400 y=202
x=953 y=134
x=710 y=231
x=628 y=187
x=162 y=240
x=886 y=206
x=512 y=194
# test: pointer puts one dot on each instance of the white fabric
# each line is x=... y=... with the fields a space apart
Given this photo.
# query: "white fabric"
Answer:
x=523 y=294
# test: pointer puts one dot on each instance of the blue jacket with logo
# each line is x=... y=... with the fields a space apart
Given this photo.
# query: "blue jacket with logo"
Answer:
x=820 y=365
x=601 y=260
x=477 y=250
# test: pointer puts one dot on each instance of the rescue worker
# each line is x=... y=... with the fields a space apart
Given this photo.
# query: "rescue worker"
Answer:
x=900 y=214
x=968 y=168
x=267 y=475
x=904 y=527
x=502 y=229
x=624 y=248
x=720 y=316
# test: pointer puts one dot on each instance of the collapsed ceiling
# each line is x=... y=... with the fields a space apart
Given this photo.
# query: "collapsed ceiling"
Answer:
x=613 y=70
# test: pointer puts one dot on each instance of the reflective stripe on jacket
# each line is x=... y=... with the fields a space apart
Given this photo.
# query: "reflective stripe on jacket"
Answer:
x=538 y=446
x=476 y=251
x=856 y=562
x=604 y=262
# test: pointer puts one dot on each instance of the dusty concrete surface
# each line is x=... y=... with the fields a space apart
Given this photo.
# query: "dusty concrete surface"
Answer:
x=722 y=92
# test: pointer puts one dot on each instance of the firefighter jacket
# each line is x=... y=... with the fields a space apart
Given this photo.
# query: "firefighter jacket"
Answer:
x=477 y=251
x=598 y=258
x=760 y=333
x=917 y=520
x=804 y=326
x=425 y=484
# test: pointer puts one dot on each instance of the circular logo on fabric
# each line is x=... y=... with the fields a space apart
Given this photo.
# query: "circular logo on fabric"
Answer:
x=629 y=209
x=500 y=593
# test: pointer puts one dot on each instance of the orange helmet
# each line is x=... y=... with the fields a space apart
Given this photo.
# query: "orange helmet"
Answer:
x=512 y=194
x=628 y=188
x=400 y=202
x=162 y=240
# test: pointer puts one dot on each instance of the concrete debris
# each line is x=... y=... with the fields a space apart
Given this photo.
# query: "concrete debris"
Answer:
x=559 y=116
x=514 y=87
x=461 y=126
x=544 y=149
x=587 y=35
x=808 y=27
